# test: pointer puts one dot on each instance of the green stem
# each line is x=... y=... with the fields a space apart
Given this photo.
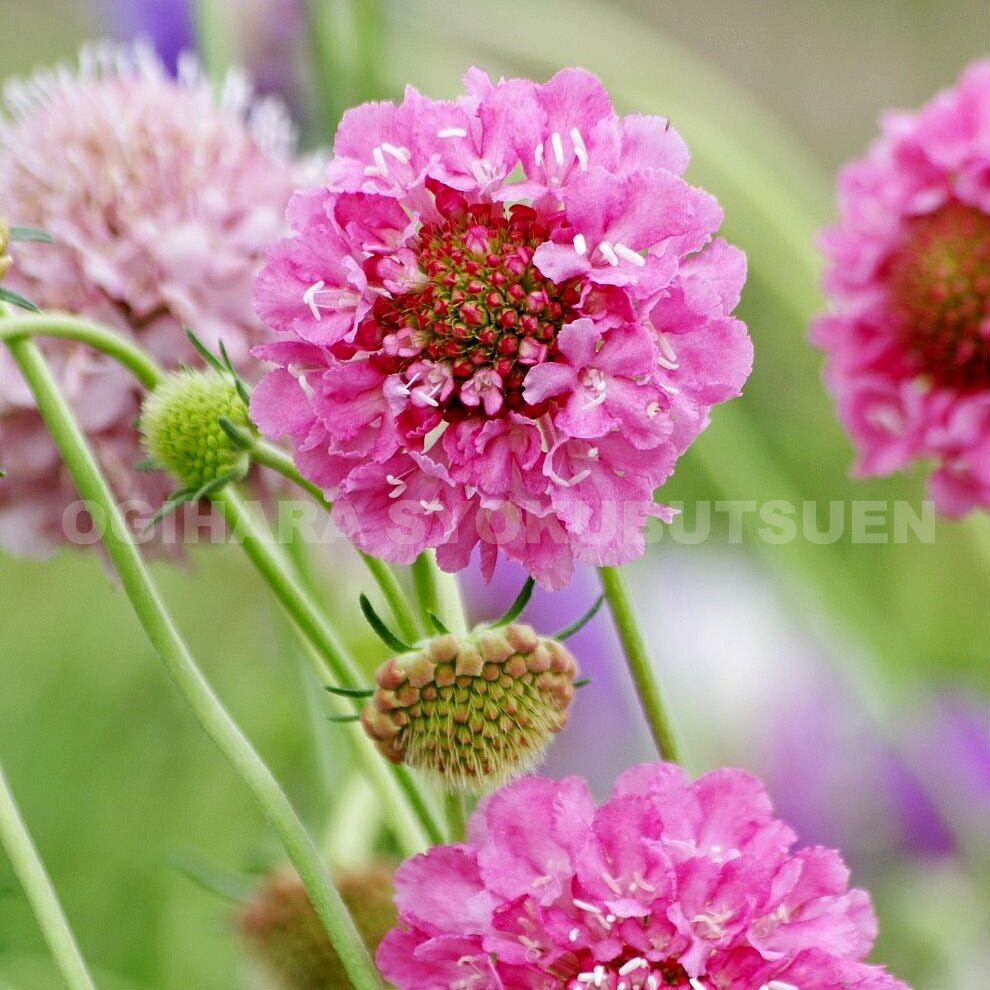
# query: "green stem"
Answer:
x=640 y=664
x=439 y=593
x=215 y=32
x=455 y=807
x=276 y=459
x=206 y=706
x=16 y=841
x=97 y=336
x=273 y=565
x=298 y=602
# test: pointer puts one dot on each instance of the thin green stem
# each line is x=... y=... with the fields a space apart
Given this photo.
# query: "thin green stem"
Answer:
x=276 y=459
x=274 y=566
x=455 y=807
x=439 y=593
x=369 y=18
x=97 y=336
x=640 y=664
x=214 y=34
x=171 y=647
x=16 y=841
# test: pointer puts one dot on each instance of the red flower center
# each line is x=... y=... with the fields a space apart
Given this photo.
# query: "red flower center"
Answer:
x=940 y=291
x=485 y=314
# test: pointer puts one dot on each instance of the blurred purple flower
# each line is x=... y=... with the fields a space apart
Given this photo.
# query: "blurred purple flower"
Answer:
x=168 y=24
x=268 y=35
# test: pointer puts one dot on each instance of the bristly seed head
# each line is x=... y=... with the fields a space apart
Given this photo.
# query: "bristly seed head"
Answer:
x=940 y=291
x=181 y=430
x=475 y=710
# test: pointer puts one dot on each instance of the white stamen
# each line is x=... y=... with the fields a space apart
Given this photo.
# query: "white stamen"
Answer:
x=310 y=301
x=482 y=172
x=630 y=255
x=696 y=984
x=380 y=162
x=607 y=878
x=576 y=480
x=400 y=485
x=632 y=966
x=538 y=154
x=652 y=982
x=558 y=147
x=583 y=905
x=668 y=352
x=780 y=985
x=580 y=244
x=434 y=505
x=573 y=934
x=402 y=154
x=580 y=151
x=652 y=409
x=452 y=132
x=608 y=253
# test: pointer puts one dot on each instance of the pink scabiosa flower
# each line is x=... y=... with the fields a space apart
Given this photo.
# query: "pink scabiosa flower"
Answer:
x=501 y=320
x=161 y=198
x=670 y=883
x=908 y=276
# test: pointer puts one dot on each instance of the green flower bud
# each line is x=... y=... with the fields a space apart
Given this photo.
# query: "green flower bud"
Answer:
x=289 y=941
x=181 y=430
x=471 y=712
x=5 y=259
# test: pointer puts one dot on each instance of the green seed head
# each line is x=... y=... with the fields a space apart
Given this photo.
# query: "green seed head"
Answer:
x=472 y=711
x=181 y=430
x=288 y=939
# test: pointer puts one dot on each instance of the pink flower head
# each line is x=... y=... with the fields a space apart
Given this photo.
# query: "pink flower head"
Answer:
x=501 y=320
x=669 y=883
x=161 y=198
x=908 y=276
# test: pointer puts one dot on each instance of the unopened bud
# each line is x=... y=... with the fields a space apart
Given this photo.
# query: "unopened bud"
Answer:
x=288 y=939
x=180 y=424
x=475 y=710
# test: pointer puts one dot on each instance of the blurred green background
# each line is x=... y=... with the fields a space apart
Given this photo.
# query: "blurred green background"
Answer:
x=116 y=780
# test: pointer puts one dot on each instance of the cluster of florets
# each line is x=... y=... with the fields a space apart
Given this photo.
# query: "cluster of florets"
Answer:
x=161 y=197
x=908 y=338
x=501 y=320
x=472 y=711
x=671 y=883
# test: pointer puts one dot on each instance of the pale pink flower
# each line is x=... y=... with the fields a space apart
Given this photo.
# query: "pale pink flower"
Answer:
x=908 y=278
x=501 y=320
x=161 y=198
x=669 y=883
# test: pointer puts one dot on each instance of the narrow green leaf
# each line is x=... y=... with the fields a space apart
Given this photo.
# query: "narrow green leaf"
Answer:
x=381 y=630
x=582 y=622
x=345 y=692
x=31 y=234
x=522 y=600
x=8 y=295
x=204 y=352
